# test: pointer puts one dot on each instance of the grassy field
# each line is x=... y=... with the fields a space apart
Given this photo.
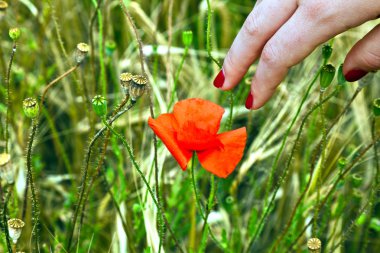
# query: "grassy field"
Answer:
x=310 y=166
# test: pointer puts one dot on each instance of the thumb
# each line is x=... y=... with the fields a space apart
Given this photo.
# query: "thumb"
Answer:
x=363 y=57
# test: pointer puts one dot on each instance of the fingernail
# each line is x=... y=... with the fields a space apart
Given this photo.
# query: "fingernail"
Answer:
x=219 y=79
x=249 y=101
x=354 y=75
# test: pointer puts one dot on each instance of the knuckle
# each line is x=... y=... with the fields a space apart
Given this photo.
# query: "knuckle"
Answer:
x=231 y=63
x=270 y=54
x=251 y=26
x=316 y=10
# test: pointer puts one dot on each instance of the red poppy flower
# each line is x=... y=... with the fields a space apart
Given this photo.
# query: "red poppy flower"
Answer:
x=193 y=126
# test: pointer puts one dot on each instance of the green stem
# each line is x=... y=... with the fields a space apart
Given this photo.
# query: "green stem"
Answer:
x=287 y=166
x=30 y=179
x=177 y=77
x=9 y=100
x=208 y=35
x=209 y=207
x=84 y=176
x=194 y=183
x=275 y=163
x=137 y=167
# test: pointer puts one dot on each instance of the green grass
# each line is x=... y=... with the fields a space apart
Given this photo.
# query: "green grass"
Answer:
x=120 y=211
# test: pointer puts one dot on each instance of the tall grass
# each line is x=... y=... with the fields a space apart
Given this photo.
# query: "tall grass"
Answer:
x=135 y=198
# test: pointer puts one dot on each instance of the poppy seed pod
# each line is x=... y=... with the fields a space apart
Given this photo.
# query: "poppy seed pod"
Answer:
x=125 y=82
x=326 y=52
x=99 y=103
x=327 y=75
x=6 y=170
x=341 y=78
x=376 y=107
x=81 y=52
x=187 y=38
x=15 y=228
x=314 y=245
x=137 y=87
x=31 y=108
x=14 y=33
x=357 y=180
x=3 y=8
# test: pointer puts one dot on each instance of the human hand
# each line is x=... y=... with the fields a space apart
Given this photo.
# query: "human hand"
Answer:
x=283 y=32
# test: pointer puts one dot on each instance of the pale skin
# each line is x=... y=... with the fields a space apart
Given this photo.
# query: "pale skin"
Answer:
x=281 y=33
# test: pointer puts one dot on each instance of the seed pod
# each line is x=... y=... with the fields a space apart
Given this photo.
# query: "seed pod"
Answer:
x=314 y=245
x=99 y=103
x=327 y=75
x=81 y=52
x=6 y=169
x=376 y=107
x=125 y=82
x=187 y=38
x=15 y=228
x=110 y=47
x=138 y=85
x=357 y=180
x=341 y=78
x=3 y=8
x=31 y=108
x=14 y=33
x=326 y=52
x=342 y=162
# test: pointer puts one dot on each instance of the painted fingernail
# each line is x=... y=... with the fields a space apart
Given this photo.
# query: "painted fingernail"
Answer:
x=355 y=74
x=249 y=102
x=219 y=79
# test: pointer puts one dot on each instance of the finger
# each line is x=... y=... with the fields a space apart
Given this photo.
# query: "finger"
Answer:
x=260 y=25
x=363 y=57
x=311 y=25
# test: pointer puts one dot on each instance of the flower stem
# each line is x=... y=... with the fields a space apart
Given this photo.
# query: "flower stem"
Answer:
x=209 y=207
x=267 y=206
x=287 y=166
x=9 y=100
x=208 y=35
x=137 y=167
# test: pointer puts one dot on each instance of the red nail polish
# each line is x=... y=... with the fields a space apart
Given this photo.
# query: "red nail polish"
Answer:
x=249 y=101
x=219 y=79
x=354 y=75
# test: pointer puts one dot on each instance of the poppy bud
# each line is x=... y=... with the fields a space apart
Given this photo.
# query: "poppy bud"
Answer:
x=327 y=75
x=31 y=108
x=99 y=103
x=342 y=162
x=187 y=38
x=341 y=78
x=110 y=47
x=326 y=52
x=125 y=82
x=314 y=245
x=6 y=169
x=14 y=33
x=81 y=52
x=15 y=228
x=356 y=180
x=137 y=87
x=376 y=107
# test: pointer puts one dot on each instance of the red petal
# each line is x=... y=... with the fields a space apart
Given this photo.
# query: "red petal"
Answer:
x=165 y=128
x=223 y=160
x=195 y=113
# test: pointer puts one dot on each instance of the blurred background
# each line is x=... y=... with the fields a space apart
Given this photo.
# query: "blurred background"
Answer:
x=50 y=31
